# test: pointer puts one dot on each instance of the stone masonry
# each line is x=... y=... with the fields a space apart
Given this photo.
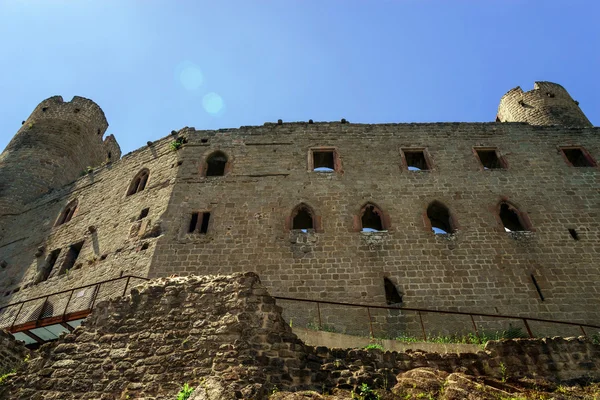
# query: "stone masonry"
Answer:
x=225 y=337
x=550 y=270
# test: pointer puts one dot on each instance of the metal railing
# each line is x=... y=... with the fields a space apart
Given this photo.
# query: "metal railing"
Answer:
x=77 y=303
x=63 y=306
x=421 y=311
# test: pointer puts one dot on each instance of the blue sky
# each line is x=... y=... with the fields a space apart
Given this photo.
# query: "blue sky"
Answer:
x=158 y=65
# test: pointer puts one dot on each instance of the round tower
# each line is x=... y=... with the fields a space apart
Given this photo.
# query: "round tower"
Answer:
x=547 y=104
x=54 y=146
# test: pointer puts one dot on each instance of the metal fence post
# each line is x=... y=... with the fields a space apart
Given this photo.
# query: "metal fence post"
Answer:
x=528 y=328
x=370 y=323
x=422 y=326
x=475 y=327
x=319 y=314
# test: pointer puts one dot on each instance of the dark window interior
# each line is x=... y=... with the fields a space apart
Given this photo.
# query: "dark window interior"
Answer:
x=371 y=219
x=489 y=159
x=537 y=287
x=415 y=160
x=193 y=223
x=71 y=257
x=139 y=183
x=199 y=222
x=392 y=296
x=303 y=219
x=439 y=216
x=204 y=225
x=577 y=158
x=574 y=234
x=67 y=214
x=323 y=161
x=510 y=218
x=216 y=164
x=50 y=261
x=144 y=213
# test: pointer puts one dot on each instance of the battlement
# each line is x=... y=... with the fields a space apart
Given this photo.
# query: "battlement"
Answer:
x=547 y=104
x=79 y=109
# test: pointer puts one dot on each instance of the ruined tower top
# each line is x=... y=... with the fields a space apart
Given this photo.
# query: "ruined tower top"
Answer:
x=57 y=142
x=547 y=104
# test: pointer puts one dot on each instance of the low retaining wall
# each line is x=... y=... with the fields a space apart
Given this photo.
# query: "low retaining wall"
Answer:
x=225 y=335
x=342 y=341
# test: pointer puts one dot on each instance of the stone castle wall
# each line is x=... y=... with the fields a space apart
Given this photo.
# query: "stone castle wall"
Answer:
x=480 y=268
x=12 y=353
x=225 y=337
x=118 y=243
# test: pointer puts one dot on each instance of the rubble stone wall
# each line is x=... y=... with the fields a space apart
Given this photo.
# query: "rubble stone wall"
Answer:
x=225 y=335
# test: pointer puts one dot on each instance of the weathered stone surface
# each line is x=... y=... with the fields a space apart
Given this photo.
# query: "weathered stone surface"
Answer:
x=479 y=268
x=233 y=343
x=12 y=353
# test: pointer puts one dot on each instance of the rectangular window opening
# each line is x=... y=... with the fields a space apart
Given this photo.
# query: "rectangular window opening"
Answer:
x=50 y=262
x=323 y=160
x=71 y=257
x=578 y=158
x=489 y=159
x=416 y=160
x=193 y=223
x=144 y=213
x=204 y=225
x=537 y=287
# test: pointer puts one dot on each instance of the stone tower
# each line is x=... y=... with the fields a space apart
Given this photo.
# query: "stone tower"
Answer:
x=54 y=146
x=547 y=104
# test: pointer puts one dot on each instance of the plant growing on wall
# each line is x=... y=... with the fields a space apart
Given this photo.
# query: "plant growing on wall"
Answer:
x=177 y=143
x=185 y=392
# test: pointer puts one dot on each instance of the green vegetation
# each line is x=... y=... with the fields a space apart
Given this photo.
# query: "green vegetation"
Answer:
x=177 y=143
x=504 y=372
x=373 y=346
x=471 y=338
x=596 y=338
x=185 y=392
x=323 y=328
x=365 y=393
x=6 y=375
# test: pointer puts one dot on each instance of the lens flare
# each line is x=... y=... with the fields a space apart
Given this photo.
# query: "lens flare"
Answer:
x=189 y=75
x=213 y=103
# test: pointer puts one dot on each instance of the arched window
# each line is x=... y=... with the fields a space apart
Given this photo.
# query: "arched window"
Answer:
x=372 y=219
x=303 y=218
x=511 y=218
x=216 y=164
x=440 y=218
x=67 y=213
x=392 y=296
x=139 y=182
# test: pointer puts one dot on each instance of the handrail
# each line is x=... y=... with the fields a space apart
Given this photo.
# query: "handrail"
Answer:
x=73 y=289
x=425 y=310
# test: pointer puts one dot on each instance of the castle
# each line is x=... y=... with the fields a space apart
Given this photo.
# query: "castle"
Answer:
x=497 y=217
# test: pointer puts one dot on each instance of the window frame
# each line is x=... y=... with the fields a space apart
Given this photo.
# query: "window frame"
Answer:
x=499 y=156
x=67 y=214
x=337 y=162
x=143 y=176
x=199 y=222
x=316 y=219
x=226 y=169
x=426 y=155
x=384 y=217
x=586 y=154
